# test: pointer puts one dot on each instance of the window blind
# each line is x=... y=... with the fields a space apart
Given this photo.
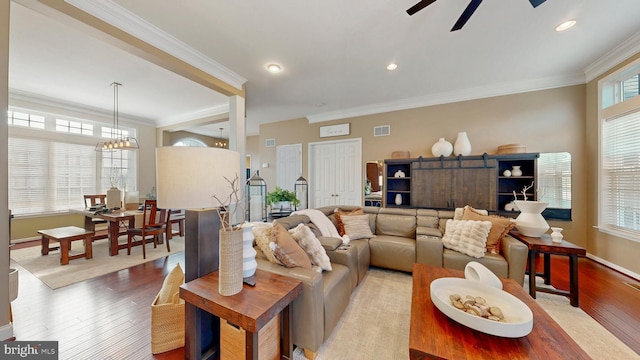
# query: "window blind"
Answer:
x=620 y=175
x=554 y=179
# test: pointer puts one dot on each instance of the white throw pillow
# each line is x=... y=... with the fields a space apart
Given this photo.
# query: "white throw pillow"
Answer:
x=357 y=227
x=308 y=241
x=467 y=236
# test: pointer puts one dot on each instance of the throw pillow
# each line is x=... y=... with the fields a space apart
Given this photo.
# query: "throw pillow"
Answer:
x=340 y=214
x=307 y=240
x=499 y=228
x=459 y=212
x=357 y=227
x=288 y=249
x=467 y=236
x=171 y=286
x=262 y=238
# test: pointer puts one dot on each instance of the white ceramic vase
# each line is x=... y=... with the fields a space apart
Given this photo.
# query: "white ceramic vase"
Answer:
x=530 y=221
x=516 y=171
x=442 y=148
x=462 y=145
x=556 y=234
x=249 y=263
x=114 y=197
x=398 y=199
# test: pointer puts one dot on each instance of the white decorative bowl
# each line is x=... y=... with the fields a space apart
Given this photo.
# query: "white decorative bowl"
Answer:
x=518 y=319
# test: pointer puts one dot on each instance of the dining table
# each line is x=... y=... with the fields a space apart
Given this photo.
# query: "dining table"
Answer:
x=116 y=220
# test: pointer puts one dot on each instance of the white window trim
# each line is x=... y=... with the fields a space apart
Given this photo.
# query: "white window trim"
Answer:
x=608 y=112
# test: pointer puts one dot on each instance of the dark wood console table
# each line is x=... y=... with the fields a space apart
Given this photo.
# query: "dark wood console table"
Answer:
x=547 y=247
x=433 y=335
x=250 y=309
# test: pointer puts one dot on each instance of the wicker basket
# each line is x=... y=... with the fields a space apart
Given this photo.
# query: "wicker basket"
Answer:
x=167 y=326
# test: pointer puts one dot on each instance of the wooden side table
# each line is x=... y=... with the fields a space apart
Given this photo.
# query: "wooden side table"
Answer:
x=548 y=247
x=251 y=309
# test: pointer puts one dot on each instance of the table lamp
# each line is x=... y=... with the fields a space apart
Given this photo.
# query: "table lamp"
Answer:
x=188 y=178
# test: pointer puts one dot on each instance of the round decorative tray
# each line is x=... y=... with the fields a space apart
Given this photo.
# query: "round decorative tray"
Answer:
x=518 y=318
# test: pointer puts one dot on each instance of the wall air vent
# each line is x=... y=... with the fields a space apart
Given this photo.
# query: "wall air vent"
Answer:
x=384 y=130
x=270 y=143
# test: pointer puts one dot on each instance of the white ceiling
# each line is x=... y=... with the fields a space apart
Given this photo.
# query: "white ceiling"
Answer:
x=333 y=54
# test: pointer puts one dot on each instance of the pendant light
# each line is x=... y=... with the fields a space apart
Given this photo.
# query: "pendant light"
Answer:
x=117 y=142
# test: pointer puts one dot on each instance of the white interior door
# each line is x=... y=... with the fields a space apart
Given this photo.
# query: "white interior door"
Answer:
x=335 y=169
x=288 y=165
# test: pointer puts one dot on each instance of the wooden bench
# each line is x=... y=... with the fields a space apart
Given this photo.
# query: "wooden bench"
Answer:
x=65 y=235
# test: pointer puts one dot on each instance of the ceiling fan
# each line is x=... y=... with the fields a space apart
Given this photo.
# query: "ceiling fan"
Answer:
x=466 y=14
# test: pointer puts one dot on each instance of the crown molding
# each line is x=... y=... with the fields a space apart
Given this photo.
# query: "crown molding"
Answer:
x=26 y=100
x=114 y=14
x=200 y=114
x=451 y=97
x=617 y=55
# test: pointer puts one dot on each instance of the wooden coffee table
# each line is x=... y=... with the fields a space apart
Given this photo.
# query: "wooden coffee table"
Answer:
x=548 y=247
x=433 y=335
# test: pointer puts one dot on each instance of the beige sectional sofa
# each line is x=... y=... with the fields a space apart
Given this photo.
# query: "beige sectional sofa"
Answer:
x=402 y=237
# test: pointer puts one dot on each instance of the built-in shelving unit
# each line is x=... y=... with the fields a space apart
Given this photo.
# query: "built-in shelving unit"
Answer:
x=397 y=185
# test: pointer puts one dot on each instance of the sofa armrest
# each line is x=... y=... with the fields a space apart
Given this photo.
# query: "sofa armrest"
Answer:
x=516 y=254
x=346 y=255
x=330 y=243
x=308 y=308
x=429 y=250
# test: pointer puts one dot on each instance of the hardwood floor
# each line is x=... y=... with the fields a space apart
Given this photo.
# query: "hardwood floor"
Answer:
x=109 y=317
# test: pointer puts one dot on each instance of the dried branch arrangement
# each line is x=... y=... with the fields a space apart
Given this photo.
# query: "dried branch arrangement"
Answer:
x=232 y=205
x=524 y=192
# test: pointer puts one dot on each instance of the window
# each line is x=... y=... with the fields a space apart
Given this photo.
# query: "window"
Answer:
x=620 y=175
x=47 y=176
x=554 y=179
x=111 y=133
x=50 y=170
x=26 y=120
x=74 y=127
x=189 y=142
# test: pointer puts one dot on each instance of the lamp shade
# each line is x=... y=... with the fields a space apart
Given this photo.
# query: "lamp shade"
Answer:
x=189 y=177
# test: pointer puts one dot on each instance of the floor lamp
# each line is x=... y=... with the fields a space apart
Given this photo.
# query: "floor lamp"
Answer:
x=188 y=178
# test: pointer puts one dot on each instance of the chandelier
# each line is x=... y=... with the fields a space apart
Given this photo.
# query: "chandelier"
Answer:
x=220 y=143
x=119 y=138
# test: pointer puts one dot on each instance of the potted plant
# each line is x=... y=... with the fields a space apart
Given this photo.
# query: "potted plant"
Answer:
x=279 y=198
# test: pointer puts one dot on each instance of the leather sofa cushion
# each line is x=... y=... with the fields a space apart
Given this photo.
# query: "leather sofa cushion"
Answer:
x=393 y=252
x=452 y=259
x=292 y=221
x=337 y=293
x=428 y=231
x=396 y=225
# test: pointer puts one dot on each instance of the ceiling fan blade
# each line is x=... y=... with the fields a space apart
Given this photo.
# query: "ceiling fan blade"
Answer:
x=419 y=6
x=536 y=3
x=471 y=8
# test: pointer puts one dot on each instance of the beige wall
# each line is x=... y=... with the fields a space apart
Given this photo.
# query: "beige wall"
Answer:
x=546 y=121
x=616 y=250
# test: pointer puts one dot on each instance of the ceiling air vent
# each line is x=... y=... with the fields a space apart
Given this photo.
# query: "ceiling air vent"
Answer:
x=384 y=130
x=270 y=143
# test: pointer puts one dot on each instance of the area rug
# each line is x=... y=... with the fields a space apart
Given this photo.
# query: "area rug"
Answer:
x=49 y=271
x=375 y=324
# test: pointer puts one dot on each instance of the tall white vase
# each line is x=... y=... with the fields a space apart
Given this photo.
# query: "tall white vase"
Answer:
x=249 y=263
x=398 y=199
x=530 y=221
x=441 y=148
x=114 y=198
x=462 y=145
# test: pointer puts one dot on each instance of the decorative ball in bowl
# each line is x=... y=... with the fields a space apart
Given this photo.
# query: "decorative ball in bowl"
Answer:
x=517 y=320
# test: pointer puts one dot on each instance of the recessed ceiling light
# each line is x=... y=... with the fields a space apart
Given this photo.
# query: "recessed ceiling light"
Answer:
x=392 y=66
x=565 y=25
x=274 y=68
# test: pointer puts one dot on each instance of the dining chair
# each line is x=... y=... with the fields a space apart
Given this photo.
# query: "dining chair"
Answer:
x=154 y=223
x=177 y=217
x=93 y=200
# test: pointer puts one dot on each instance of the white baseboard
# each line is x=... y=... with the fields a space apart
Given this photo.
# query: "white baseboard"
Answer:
x=614 y=266
x=6 y=331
